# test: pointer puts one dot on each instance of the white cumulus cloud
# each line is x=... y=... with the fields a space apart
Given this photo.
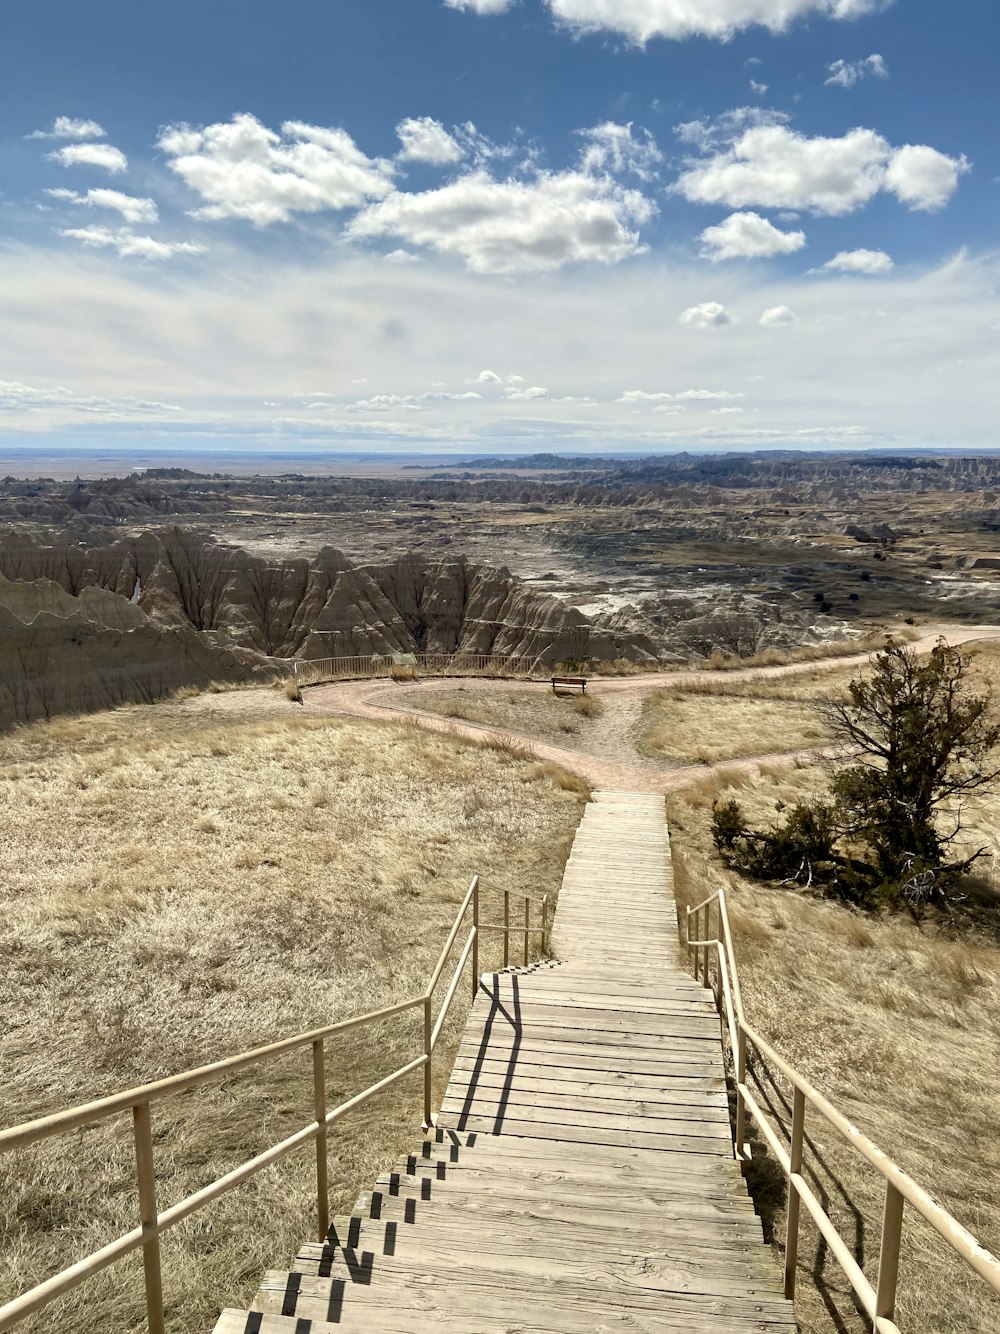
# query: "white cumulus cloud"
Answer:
x=748 y=236
x=923 y=178
x=772 y=166
x=776 y=317
x=68 y=127
x=487 y=377
x=705 y=395
x=525 y=395
x=91 y=155
x=513 y=225
x=860 y=261
x=131 y=207
x=426 y=140
x=846 y=73
x=127 y=243
x=640 y=20
x=242 y=169
x=707 y=315
x=617 y=149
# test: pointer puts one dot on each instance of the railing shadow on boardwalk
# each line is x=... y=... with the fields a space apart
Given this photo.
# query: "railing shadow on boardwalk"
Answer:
x=499 y=1013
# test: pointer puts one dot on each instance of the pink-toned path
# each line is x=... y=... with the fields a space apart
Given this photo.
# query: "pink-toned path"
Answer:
x=618 y=766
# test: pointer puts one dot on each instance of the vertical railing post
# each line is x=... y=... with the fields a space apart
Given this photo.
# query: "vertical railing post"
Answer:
x=687 y=940
x=506 y=928
x=794 y=1169
x=741 y=1079
x=888 y=1259
x=703 y=935
x=428 y=1054
x=475 y=940
x=527 y=927
x=545 y=926
x=322 y=1167
x=148 y=1216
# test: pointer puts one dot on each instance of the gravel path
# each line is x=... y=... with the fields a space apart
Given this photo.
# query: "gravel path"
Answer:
x=607 y=757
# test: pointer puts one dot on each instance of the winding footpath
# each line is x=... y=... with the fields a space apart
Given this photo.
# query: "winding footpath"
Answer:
x=617 y=765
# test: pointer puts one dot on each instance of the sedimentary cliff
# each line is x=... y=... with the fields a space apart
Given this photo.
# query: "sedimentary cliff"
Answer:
x=86 y=627
x=66 y=654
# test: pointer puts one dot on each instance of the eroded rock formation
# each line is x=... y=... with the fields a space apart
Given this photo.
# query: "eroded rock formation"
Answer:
x=82 y=628
x=60 y=653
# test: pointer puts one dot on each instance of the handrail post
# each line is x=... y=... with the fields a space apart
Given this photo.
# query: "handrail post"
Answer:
x=888 y=1260
x=545 y=925
x=322 y=1166
x=741 y=1079
x=794 y=1169
x=148 y=1216
x=475 y=940
x=527 y=927
x=704 y=929
x=428 y=1053
x=506 y=928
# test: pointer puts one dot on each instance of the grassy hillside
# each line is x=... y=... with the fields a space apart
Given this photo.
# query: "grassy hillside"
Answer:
x=898 y=1023
x=179 y=884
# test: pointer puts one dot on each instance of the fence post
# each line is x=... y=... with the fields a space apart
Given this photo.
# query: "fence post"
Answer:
x=475 y=941
x=428 y=1053
x=794 y=1169
x=888 y=1259
x=143 y=1132
x=506 y=926
x=322 y=1169
x=527 y=927
x=545 y=925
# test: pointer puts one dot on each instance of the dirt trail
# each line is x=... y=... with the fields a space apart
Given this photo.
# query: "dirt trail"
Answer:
x=610 y=759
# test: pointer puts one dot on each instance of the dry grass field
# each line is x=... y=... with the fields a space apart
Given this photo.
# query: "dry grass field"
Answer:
x=178 y=886
x=899 y=1024
x=534 y=711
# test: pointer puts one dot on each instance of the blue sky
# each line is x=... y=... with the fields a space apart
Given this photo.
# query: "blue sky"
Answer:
x=500 y=224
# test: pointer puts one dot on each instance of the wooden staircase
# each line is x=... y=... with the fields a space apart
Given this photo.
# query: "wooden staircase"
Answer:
x=581 y=1174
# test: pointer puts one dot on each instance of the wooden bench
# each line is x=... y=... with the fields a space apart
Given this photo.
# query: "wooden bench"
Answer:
x=570 y=683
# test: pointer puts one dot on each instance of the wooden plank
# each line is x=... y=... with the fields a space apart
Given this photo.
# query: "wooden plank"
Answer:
x=566 y=1113
x=642 y=1139
x=609 y=1084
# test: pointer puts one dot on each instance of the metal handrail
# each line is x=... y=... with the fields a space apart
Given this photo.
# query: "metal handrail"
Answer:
x=878 y=1301
x=152 y=1221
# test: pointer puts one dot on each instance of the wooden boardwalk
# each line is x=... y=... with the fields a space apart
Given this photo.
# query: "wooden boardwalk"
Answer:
x=581 y=1176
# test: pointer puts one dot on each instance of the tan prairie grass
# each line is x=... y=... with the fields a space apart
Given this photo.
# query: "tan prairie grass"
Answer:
x=783 y=657
x=587 y=706
x=537 y=711
x=705 y=729
x=812 y=683
x=898 y=1023
x=177 y=888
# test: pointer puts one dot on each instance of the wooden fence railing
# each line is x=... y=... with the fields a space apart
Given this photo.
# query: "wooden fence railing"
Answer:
x=441 y=664
x=714 y=961
x=153 y=1221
